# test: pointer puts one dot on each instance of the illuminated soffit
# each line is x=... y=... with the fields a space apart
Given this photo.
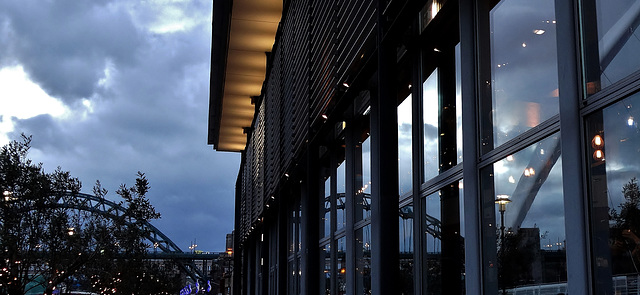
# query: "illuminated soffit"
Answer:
x=252 y=33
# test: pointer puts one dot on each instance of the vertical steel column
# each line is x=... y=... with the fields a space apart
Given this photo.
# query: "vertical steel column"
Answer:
x=384 y=167
x=310 y=192
x=419 y=210
x=468 y=57
x=573 y=169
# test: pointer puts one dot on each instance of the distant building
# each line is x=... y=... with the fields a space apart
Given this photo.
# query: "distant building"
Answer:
x=430 y=147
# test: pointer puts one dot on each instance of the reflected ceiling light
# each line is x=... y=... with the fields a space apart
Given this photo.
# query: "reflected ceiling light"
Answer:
x=436 y=49
x=598 y=155
x=630 y=121
x=510 y=158
x=542 y=151
x=345 y=84
x=511 y=179
x=597 y=142
x=324 y=116
x=524 y=44
x=538 y=31
x=529 y=172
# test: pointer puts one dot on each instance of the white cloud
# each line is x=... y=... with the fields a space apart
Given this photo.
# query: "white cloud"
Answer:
x=168 y=16
x=21 y=98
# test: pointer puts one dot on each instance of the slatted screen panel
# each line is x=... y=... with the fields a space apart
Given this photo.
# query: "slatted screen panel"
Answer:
x=356 y=23
x=318 y=45
x=323 y=30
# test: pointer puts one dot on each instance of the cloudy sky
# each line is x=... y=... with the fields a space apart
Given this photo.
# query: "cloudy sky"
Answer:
x=111 y=87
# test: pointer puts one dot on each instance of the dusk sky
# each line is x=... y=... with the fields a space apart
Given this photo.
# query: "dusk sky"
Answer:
x=111 y=87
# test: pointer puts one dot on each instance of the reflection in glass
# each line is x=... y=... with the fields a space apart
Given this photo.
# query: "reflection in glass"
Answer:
x=524 y=79
x=611 y=41
x=430 y=109
x=326 y=214
x=293 y=234
x=291 y=271
x=525 y=190
x=615 y=195
x=341 y=276
x=363 y=260
x=363 y=181
x=325 y=269
x=443 y=249
x=341 y=217
x=406 y=217
x=404 y=146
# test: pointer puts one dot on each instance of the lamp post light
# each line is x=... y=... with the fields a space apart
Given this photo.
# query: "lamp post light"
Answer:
x=193 y=247
x=502 y=201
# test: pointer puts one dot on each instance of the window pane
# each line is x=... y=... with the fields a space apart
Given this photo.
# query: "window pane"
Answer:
x=524 y=80
x=526 y=228
x=363 y=194
x=342 y=266
x=340 y=198
x=406 y=217
x=613 y=153
x=326 y=213
x=404 y=146
x=325 y=270
x=430 y=118
x=611 y=41
x=443 y=242
x=363 y=260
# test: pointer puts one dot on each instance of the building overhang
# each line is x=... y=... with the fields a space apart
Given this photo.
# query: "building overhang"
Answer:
x=243 y=32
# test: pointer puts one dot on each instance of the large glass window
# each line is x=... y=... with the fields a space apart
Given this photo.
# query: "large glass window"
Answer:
x=342 y=266
x=430 y=120
x=613 y=139
x=611 y=41
x=341 y=217
x=524 y=230
x=325 y=269
x=363 y=260
x=443 y=251
x=326 y=212
x=363 y=180
x=405 y=223
x=404 y=147
x=524 y=80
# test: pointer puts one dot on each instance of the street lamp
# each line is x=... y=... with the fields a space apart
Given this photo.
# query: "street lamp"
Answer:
x=193 y=246
x=502 y=201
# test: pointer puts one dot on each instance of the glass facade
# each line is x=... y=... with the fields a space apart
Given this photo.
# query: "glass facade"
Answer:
x=524 y=78
x=611 y=42
x=528 y=220
x=549 y=91
x=405 y=173
x=613 y=144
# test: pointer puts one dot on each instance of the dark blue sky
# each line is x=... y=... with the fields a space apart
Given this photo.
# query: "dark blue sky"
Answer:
x=109 y=88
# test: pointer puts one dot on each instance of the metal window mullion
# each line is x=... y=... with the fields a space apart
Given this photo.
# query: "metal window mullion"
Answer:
x=573 y=171
x=471 y=147
x=419 y=274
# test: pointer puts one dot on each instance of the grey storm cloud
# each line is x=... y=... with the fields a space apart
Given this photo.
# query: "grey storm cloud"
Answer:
x=64 y=45
x=148 y=112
